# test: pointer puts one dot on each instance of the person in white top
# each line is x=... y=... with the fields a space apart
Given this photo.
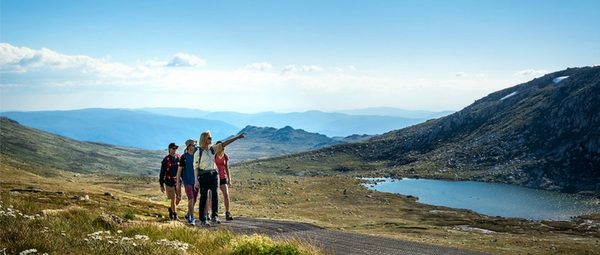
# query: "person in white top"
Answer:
x=206 y=174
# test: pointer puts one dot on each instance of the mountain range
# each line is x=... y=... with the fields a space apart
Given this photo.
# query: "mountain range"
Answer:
x=369 y=121
x=155 y=128
x=122 y=127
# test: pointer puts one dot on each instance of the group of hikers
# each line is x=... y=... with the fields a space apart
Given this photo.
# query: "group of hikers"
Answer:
x=201 y=168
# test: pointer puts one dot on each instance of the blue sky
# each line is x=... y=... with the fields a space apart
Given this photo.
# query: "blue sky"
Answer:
x=254 y=56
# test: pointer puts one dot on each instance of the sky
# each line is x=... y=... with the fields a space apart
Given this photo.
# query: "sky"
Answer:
x=284 y=56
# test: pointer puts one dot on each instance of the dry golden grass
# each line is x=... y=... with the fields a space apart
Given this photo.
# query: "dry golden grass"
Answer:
x=45 y=215
x=262 y=193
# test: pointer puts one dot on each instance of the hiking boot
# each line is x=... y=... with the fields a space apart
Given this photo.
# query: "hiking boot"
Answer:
x=215 y=220
x=170 y=213
x=175 y=217
x=228 y=216
x=191 y=220
x=204 y=223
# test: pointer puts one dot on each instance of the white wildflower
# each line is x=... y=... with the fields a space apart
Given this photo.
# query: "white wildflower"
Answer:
x=119 y=231
x=30 y=251
x=142 y=237
x=95 y=233
x=174 y=244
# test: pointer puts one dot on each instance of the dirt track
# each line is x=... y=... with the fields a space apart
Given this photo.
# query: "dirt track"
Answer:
x=335 y=242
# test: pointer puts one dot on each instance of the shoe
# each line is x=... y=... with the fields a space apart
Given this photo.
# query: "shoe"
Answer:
x=170 y=213
x=175 y=217
x=191 y=220
x=228 y=216
x=215 y=220
x=204 y=223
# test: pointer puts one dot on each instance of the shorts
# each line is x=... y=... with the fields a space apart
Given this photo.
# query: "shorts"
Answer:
x=191 y=192
x=223 y=181
x=171 y=192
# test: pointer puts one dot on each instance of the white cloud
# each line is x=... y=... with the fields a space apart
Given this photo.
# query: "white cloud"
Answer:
x=23 y=59
x=531 y=72
x=262 y=66
x=460 y=74
x=75 y=79
x=305 y=68
x=290 y=69
x=312 y=68
x=183 y=59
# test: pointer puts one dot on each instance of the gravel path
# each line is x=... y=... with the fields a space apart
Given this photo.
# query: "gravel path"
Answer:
x=332 y=241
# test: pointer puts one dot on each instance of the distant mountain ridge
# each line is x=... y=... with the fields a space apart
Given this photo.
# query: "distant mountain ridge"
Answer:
x=396 y=112
x=122 y=127
x=543 y=134
x=327 y=123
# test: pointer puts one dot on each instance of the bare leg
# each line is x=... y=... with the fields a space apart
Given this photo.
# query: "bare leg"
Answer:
x=173 y=206
x=225 y=191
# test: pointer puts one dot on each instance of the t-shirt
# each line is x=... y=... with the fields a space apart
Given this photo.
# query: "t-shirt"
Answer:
x=221 y=162
x=187 y=173
x=168 y=170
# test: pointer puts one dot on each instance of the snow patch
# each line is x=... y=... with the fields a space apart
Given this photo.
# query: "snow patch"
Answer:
x=559 y=79
x=509 y=95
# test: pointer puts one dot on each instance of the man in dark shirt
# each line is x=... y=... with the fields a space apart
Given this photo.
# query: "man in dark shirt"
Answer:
x=167 y=179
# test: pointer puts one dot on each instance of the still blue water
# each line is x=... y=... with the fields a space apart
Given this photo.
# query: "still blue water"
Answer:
x=492 y=198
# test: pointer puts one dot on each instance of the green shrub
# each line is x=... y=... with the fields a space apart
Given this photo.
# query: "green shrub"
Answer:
x=262 y=245
x=129 y=215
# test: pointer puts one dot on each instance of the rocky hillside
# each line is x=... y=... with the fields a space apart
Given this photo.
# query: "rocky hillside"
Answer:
x=21 y=145
x=262 y=142
x=544 y=134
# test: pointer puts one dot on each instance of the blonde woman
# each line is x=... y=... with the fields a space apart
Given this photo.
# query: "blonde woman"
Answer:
x=206 y=174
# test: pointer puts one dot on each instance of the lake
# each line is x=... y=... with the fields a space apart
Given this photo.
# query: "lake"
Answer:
x=491 y=199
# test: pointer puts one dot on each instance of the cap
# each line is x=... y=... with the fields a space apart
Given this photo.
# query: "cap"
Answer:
x=173 y=145
x=189 y=142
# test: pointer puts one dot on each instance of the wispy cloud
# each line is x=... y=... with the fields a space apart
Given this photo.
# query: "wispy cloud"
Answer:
x=262 y=66
x=531 y=72
x=460 y=74
x=184 y=59
x=23 y=59
x=304 y=68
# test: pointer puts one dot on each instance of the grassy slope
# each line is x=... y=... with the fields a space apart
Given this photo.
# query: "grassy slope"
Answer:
x=33 y=147
x=53 y=221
